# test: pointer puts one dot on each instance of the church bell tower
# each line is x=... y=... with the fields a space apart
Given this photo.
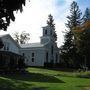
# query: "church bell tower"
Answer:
x=48 y=39
x=49 y=33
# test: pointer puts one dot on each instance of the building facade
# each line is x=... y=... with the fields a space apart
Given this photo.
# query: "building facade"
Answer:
x=10 y=58
x=37 y=54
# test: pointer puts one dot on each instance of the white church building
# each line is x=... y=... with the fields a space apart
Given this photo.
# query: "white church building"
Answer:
x=35 y=54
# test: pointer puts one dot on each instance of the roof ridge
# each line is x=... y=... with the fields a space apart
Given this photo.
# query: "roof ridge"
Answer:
x=29 y=45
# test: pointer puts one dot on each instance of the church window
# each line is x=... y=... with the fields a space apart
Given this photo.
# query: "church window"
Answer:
x=32 y=54
x=56 y=57
x=46 y=56
x=45 y=32
x=32 y=59
x=23 y=54
x=52 y=50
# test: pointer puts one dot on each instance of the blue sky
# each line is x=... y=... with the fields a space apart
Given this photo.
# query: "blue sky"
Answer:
x=35 y=15
x=60 y=2
x=83 y=4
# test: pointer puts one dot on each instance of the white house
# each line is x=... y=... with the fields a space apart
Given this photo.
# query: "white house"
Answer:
x=9 y=44
x=35 y=54
x=9 y=54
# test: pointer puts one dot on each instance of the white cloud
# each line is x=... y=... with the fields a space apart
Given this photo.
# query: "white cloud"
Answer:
x=35 y=15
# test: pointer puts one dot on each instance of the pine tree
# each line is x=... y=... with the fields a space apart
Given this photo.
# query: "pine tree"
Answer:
x=50 y=22
x=69 y=48
x=86 y=16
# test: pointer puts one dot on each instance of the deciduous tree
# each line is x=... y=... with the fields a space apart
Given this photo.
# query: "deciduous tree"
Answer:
x=7 y=9
x=21 y=38
x=83 y=38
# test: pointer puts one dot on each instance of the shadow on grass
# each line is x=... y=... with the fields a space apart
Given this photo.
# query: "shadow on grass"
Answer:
x=33 y=77
x=39 y=88
x=8 y=84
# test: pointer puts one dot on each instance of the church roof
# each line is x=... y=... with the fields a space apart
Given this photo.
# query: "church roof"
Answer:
x=31 y=45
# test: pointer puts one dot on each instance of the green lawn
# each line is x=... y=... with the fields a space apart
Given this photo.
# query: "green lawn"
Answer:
x=44 y=79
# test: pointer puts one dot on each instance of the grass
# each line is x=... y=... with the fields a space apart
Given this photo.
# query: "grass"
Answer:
x=44 y=79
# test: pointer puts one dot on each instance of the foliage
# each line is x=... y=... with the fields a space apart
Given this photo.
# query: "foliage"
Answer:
x=83 y=38
x=21 y=38
x=75 y=16
x=68 y=50
x=50 y=22
x=7 y=8
x=24 y=37
x=86 y=16
x=16 y=36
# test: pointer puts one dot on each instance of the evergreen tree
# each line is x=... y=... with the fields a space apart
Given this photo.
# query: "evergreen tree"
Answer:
x=86 y=16
x=50 y=22
x=69 y=48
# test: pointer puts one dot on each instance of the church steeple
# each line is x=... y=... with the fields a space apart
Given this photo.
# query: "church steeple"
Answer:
x=49 y=30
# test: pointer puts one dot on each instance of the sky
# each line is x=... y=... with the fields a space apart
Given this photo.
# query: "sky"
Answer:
x=35 y=15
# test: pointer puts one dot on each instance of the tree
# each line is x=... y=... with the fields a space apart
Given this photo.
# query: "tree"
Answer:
x=21 y=38
x=69 y=48
x=7 y=8
x=86 y=16
x=50 y=22
x=16 y=37
x=24 y=37
x=83 y=38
